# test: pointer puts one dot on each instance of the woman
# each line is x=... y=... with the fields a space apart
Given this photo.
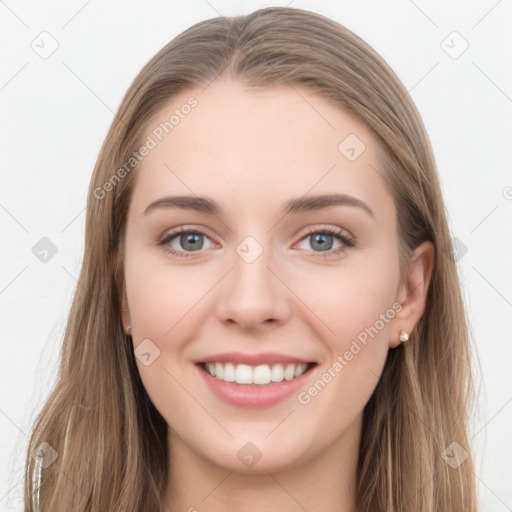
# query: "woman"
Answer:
x=268 y=313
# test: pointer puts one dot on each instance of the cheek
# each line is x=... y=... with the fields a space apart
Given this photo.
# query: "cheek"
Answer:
x=162 y=296
x=353 y=310
x=162 y=302
x=353 y=297
x=357 y=309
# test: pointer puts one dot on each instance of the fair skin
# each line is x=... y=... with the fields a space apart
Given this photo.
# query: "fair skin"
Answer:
x=251 y=151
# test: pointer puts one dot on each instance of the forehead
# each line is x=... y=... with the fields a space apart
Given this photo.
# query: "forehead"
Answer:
x=263 y=144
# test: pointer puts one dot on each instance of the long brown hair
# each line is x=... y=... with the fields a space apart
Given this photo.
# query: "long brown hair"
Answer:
x=110 y=441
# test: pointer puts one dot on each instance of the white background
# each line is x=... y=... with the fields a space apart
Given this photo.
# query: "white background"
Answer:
x=55 y=115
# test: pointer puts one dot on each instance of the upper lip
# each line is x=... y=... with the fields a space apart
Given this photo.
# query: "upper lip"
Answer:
x=253 y=359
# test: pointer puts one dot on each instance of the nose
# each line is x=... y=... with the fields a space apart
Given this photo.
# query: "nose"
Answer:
x=252 y=295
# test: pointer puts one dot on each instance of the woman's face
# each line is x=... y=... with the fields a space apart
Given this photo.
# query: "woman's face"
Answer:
x=275 y=280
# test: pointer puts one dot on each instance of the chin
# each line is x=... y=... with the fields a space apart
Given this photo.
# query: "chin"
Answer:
x=260 y=456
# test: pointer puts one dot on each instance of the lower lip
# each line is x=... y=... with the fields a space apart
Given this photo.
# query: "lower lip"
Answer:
x=244 y=395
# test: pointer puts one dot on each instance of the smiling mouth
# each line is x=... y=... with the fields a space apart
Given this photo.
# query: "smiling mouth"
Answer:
x=258 y=375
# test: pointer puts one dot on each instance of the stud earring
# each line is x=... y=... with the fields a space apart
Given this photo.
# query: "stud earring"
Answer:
x=128 y=327
x=403 y=337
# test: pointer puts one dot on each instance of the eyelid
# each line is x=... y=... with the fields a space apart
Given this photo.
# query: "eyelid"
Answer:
x=346 y=239
x=322 y=228
x=195 y=228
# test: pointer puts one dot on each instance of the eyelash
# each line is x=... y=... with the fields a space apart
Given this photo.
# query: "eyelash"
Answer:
x=346 y=241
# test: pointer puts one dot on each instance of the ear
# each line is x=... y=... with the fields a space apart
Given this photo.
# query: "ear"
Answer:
x=120 y=288
x=412 y=293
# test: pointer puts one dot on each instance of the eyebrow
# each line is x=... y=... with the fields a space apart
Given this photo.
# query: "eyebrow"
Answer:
x=298 y=205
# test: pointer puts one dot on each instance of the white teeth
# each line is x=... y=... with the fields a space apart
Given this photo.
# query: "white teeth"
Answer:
x=243 y=374
x=219 y=371
x=277 y=373
x=289 y=372
x=229 y=372
x=261 y=374
x=211 y=368
x=301 y=368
